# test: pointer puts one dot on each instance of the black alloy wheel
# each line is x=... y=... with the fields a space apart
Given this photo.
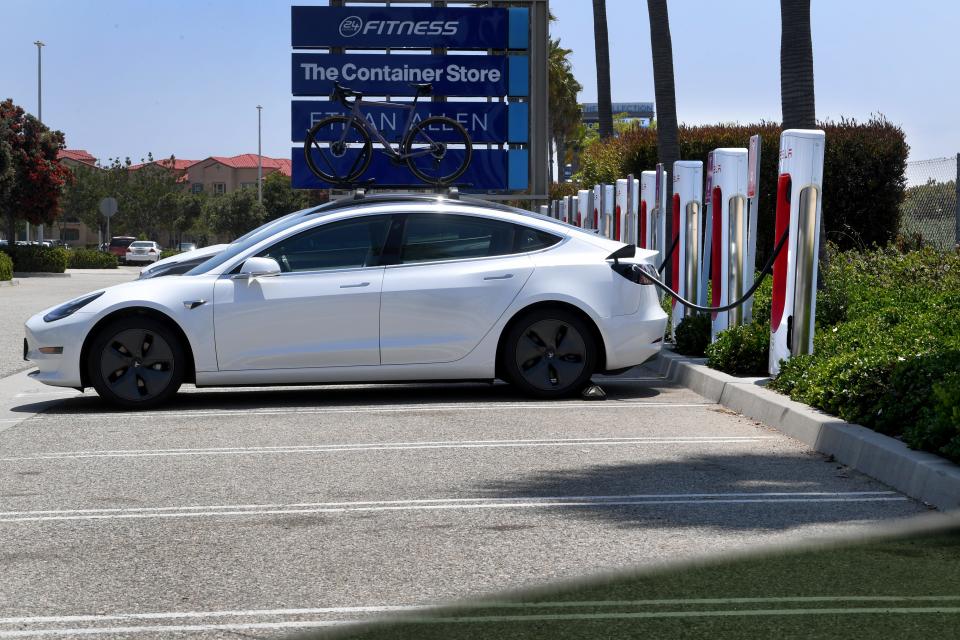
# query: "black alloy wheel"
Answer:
x=550 y=353
x=136 y=363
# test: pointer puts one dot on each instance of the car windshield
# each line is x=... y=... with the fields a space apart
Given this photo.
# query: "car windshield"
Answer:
x=121 y=242
x=142 y=245
x=251 y=238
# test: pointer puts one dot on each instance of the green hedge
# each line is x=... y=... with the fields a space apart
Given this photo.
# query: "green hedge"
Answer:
x=863 y=182
x=741 y=351
x=27 y=258
x=6 y=267
x=91 y=259
x=887 y=347
x=168 y=253
x=693 y=335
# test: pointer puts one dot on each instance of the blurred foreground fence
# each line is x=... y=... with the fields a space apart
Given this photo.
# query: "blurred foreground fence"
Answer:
x=930 y=206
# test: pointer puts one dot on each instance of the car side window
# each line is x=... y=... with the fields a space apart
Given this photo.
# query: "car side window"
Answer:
x=336 y=245
x=441 y=236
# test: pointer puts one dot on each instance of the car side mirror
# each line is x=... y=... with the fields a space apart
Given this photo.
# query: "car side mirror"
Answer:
x=259 y=268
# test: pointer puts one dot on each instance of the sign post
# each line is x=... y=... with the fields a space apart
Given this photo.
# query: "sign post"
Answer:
x=108 y=207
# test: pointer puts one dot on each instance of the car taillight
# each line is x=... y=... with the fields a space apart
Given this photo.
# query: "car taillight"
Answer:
x=153 y=250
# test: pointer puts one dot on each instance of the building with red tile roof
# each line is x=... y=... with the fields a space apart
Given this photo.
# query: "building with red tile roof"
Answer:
x=76 y=156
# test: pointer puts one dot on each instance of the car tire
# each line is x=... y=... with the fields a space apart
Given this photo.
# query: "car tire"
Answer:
x=136 y=362
x=549 y=353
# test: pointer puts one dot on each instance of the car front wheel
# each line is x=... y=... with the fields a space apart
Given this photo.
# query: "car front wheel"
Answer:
x=549 y=353
x=136 y=363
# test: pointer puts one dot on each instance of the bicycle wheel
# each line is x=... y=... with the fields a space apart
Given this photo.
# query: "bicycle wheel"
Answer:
x=438 y=150
x=338 y=150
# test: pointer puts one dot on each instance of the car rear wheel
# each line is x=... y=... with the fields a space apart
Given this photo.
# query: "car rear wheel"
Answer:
x=136 y=363
x=549 y=353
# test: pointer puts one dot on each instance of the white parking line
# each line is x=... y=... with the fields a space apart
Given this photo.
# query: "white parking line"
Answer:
x=446 y=617
x=390 y=446
x=651 y=500
x=408 y=408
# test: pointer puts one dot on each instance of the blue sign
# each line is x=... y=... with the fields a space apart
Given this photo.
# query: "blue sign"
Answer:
x=485 y=122
x=422 y=27
x=314 y=74
x=490 y=169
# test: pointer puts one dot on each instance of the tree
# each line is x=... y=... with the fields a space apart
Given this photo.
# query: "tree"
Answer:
x=564 y=111
x=33 y=179
x=668 y=141
x=235 y=213
x=82 y=195
x=280 y=198
x=796 y=65
x=604 y=107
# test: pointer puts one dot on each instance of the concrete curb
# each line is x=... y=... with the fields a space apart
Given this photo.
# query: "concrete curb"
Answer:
x=39 y=274
x=920 y=475
x=9 y=283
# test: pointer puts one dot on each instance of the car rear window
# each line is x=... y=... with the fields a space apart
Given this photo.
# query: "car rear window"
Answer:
x=121 y=242
x=142 y=245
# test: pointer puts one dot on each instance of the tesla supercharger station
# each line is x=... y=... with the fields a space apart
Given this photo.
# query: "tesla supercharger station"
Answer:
x=728 y=236
x=688 y=222
x=648 y=191
x=585 y=207
x=657 y=213
x=799 y=192
x=606 y=212
x=562 y=210
x=597 y=205
x=545 y=210
x=573 y=210
x=625 y=212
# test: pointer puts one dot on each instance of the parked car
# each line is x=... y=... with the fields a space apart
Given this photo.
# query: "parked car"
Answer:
x=143 y=251
x=186 y=246
x=181 y=263
x=380 y=289
x=118 y=246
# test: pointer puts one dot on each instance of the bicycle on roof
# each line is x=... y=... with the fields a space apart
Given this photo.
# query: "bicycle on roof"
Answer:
x=339 y=148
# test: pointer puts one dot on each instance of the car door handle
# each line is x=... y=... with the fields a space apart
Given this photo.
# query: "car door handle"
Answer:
x=505 y=276
x=355 y=286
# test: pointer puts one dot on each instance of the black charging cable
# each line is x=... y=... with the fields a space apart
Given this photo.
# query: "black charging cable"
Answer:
x=768 y=268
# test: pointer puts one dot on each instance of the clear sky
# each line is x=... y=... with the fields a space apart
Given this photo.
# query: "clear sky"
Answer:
x=124 y=77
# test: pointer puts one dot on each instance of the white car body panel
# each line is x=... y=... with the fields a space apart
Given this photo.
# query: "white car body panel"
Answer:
x=445 y=322
x=425 y=321
x=315 y=319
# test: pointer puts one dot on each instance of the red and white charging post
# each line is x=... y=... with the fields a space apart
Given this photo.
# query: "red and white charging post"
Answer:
x=606 y=211
x=658 y=216
x=585 y=207
x=648 y=191
x=753 y=183
x=799 y=195
x=728 y=236
x=687 y=211
x=625 y=213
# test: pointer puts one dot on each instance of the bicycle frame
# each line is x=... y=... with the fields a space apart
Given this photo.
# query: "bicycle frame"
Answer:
x=374 y=132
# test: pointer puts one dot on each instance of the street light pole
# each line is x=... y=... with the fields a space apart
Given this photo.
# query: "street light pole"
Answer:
x=259 y=159
x=40 y=46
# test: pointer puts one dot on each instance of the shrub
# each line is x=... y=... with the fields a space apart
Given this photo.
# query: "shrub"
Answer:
x=864 y=167
x=6 y=267
x=693 y=335
x=27 y=258
x=741 y=351
x=762 y=301
x=91 y=259
x=887 y=344
x=168 y=253
x=943 y=420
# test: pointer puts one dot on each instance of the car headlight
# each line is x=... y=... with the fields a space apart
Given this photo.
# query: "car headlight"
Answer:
x=69 y=308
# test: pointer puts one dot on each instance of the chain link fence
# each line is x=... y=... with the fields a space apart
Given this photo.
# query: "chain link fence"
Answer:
x=930 y=206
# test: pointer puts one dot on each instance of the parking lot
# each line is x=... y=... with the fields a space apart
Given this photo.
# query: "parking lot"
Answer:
x=263 y=512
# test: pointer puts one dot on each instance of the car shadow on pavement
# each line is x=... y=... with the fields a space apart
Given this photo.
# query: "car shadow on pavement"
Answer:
x=232 y=399
x=735 y=491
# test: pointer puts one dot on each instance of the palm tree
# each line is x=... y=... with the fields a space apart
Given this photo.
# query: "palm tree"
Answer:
x=564 y=111
x=605 y=111
x=796 y=65
x=668 y=144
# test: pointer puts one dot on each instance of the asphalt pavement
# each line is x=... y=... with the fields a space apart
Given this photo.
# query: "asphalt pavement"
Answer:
x=257 y=513
x=31 y=294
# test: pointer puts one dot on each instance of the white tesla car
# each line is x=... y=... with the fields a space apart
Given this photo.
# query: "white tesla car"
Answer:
x=379 y=289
